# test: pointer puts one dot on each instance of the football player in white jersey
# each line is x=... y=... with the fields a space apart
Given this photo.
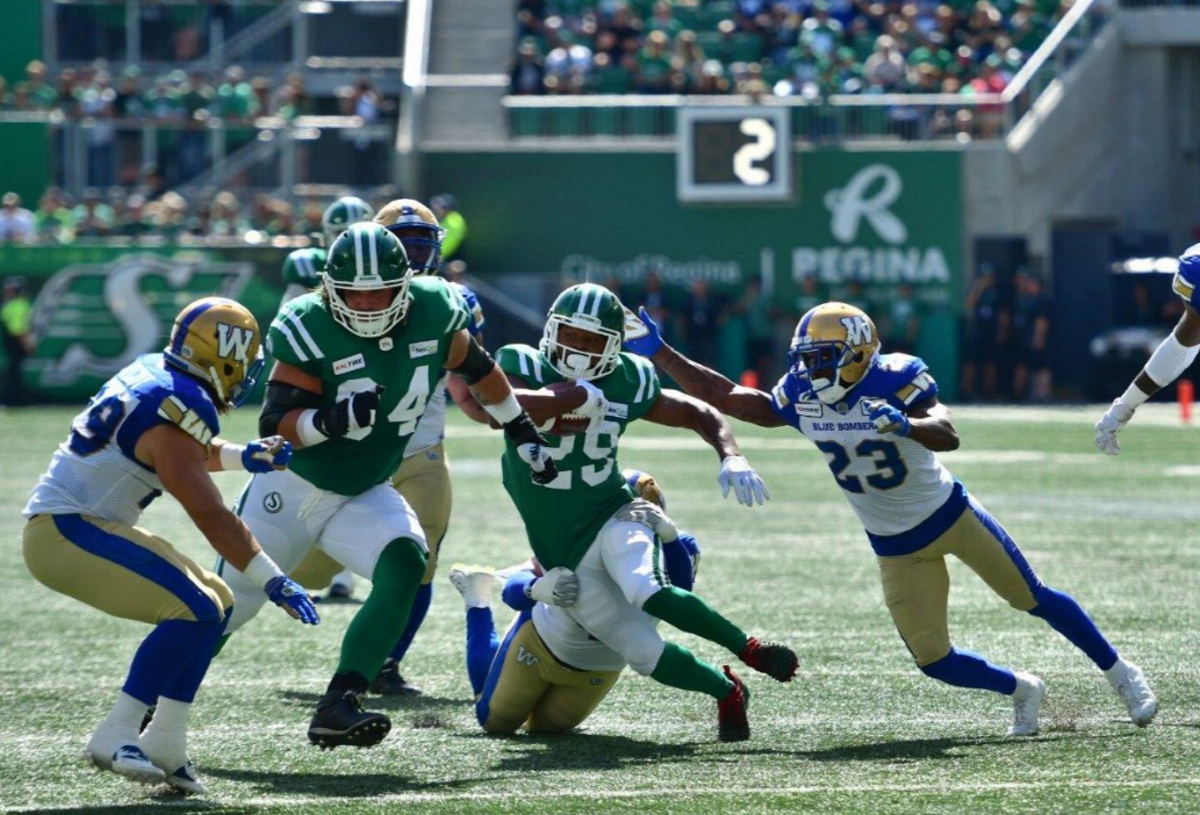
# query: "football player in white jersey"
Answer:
x=549 y=674
x=424 y=476
x=1172 y=357
x=153 y=427
x=879 y=423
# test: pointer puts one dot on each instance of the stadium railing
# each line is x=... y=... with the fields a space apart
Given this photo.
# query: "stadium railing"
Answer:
x=838 y=117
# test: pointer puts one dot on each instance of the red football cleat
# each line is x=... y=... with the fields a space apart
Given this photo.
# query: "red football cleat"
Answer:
x=777 y=661
x=732 y=724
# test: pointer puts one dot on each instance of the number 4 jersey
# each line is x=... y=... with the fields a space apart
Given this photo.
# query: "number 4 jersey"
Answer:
x=407 y=362
x=895 y=485
x=562 y=518
x=94 y=472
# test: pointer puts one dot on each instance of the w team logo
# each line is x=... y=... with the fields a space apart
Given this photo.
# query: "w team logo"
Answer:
x=858 y=330
x=233 y=342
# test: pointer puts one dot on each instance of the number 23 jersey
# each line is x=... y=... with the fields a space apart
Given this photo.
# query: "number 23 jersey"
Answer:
x=893 y=483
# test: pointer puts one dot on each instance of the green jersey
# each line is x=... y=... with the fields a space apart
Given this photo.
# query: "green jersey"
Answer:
x=303 y=268
x=562 y=518
x=407 y=361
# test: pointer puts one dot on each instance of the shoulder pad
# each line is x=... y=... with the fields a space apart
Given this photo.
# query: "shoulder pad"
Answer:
x=440 y=301
x=288 y=338
x=526 y=362
x=473 y=306
x=185 y=404
x=641 y=373
x=1188 y=277
x=903 y=378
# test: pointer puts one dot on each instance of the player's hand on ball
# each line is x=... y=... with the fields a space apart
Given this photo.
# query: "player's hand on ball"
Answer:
x=292 y=598
x=265 y=455
x=1111 y=423
x=557 y=587
x=737 y=473
x=538 y=458
x=648 y=344
x=596 y=406
x=888 y=419
x=355 y=411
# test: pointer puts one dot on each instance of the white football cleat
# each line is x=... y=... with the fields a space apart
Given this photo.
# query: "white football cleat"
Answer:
x=1130 y=684
x=172 y=759
x=125 y=759
x=1027 y=703
x=342 y=586
x=474 y=583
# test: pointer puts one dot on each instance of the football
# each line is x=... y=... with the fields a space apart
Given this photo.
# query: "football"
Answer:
x=569 y=424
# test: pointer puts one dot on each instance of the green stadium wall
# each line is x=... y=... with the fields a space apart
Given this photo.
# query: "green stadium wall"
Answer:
x=21 y=22
x=882 y=218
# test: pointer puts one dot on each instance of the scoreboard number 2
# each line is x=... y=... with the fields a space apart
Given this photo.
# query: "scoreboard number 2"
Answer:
x=734 y=155
x=761 y=148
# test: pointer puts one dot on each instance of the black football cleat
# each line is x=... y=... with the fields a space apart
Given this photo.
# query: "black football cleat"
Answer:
x=390 y=682
x=777 y=661
x=732 y=724
x=340 y=720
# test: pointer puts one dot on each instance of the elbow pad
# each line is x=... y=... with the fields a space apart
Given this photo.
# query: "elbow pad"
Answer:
x=1170 y=360
x=282 y=398
x=477 y=364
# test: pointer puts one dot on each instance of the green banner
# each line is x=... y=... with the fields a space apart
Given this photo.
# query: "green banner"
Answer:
x=97 y=308
x=861 y=224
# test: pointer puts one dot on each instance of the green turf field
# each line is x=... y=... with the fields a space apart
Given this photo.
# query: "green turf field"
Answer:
x=861 y=730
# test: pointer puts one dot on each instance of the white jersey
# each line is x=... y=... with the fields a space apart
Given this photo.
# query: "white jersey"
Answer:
x=94 y=472
x=893 y=483
x=431 y=427
x=570 y=643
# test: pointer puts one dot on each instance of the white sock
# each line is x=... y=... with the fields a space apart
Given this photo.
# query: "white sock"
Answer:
x=125 y=718
x=1116 y=673
x=166 y=737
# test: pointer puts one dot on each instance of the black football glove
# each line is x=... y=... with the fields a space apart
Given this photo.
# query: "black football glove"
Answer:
x=355 y=411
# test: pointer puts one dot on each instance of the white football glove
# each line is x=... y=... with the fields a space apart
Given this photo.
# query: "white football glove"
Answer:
x=540 y=462
x=736 y=472
x=596 y=406
x=557 y=587
x=1111 y=423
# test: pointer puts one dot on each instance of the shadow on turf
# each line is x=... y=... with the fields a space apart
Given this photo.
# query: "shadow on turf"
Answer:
x=586 y=751
x=331 y=785
x=424 y=701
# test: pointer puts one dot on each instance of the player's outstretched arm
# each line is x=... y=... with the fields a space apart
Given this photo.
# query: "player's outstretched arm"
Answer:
x=1176 y=353
x=675 y=409
x=928 y=423
x=181 y=464
x=748 y=404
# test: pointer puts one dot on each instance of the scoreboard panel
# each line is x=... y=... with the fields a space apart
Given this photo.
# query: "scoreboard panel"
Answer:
x=734 y=155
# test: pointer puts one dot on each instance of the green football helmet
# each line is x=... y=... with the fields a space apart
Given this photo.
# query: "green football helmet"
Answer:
x=590 y=308
x=366 y=257
x=341 y=214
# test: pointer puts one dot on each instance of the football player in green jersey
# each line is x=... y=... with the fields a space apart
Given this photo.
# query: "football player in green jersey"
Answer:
x=587 y=519
x=355 y=364
x=302 y=268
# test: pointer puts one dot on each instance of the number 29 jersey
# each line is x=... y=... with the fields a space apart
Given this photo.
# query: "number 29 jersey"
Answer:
x=94 y=472
x=893 y=483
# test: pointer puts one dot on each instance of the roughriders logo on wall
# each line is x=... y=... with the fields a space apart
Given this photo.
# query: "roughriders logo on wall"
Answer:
x=866 y=201
x=91 y=320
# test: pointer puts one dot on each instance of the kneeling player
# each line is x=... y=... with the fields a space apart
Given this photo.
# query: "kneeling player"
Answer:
x=152 y=427
x=549 y=674
x=878 y=421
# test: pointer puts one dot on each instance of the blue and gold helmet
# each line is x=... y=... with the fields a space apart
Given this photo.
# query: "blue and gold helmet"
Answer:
x=835 y=344
x=217 y=341
x=418 y=229
x=646 y=487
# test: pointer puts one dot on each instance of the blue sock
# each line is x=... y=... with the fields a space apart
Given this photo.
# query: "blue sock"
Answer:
x=482 y=644
x=184 y=686
x=966 y=669
x=1069 y=619
x=164 y=654
x=415 y=617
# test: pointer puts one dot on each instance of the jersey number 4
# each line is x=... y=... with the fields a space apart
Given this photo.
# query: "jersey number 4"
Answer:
x=408 y=410
x=890 y=470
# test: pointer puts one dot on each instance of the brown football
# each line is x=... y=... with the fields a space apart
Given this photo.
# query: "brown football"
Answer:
x=569 y=424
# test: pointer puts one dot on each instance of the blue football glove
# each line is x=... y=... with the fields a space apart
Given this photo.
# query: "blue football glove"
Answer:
x=265 y=455
x=889 y=420
x=647 y=345
x=292 y=598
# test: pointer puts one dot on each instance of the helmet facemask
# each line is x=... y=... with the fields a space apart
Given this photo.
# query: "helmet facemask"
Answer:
x=825 y=363
x=424 y=249
x=369 y=324
x=580 y=363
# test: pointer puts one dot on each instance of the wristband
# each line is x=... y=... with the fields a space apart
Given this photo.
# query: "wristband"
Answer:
x=1133 y=397
x=505 y=411
x=261 y=570
x=306 y=429
x=230 y=456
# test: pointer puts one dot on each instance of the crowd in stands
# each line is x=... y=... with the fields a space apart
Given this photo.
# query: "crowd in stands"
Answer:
x=813 y=48
x=183 y=106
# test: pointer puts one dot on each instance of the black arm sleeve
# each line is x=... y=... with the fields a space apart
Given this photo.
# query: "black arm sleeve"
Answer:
x=280 y=399
x=477 y=364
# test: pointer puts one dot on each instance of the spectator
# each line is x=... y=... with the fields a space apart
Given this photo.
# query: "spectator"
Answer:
x=613 y=77
x=758 y=309
x=93 y=217
x=688 y=62
x=53 y=220
x=197 y=101
x=445 y=207
x=16 y=223
x=527 y=75
x=364 y=102
x=568 y=67
x=41 y=95
x=98 y=102
x=226 y=218
x=236 y=105
x=136 y=220
x=821 y=32
x=901 y=321
x=885 y=69
x=654 y=71
x=982 y=336
x=1031 y=327
x=664 y=20
x=810 y=296
x=701 y=317
x=15 y=323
